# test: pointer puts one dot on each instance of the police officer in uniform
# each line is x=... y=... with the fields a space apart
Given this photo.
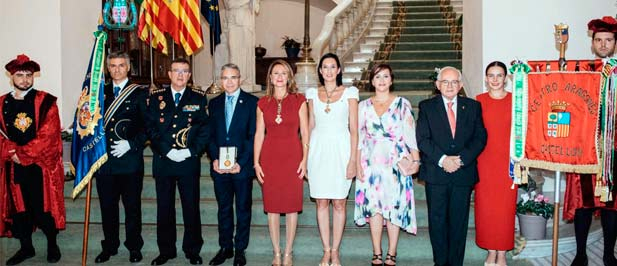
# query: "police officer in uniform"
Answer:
x=177 y=127
x=123 y=174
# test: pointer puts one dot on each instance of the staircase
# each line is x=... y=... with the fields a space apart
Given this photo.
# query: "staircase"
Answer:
x=355 y=250
x=414 y=37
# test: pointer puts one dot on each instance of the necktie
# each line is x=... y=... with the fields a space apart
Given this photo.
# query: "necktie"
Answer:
x=451 y=118
x=116 y=91
x=177 y=98
x=229 y=111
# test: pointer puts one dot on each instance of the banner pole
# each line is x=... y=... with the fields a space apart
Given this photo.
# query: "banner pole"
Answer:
x=84 y=250
x=555 y=259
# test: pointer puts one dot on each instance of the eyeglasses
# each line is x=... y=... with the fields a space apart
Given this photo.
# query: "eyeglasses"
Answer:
x=181 y=71
x=230 y=78
x=447 y=83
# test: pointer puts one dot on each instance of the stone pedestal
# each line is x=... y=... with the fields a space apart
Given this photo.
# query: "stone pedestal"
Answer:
x=306 y=76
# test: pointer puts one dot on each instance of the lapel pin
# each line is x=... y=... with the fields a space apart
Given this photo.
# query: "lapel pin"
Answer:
x=240 y=101
x=463 y=107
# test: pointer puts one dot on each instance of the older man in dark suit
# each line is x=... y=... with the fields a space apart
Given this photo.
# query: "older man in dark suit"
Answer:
x=450 y=135
x=232 y=127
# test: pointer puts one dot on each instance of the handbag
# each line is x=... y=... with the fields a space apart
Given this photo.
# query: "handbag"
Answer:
x=405 y=166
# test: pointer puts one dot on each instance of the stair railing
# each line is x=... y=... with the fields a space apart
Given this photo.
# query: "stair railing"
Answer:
x=454 y=24
x=343 y=27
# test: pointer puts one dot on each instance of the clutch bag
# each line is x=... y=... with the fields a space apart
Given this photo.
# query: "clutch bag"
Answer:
x=405 y=166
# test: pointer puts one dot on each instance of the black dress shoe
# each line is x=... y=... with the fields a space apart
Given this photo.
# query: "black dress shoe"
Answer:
x=104 y=256
x=580 y=260
x=221 y=256
x=609 y=260
x=240 y=259
x=162 y=259
x=53 y=254
x=194 y=259
x=21 y=255
x=135 y=256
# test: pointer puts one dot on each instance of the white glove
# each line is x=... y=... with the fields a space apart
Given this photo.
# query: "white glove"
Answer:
x=174 y=155
x=184 y=153
x=121 y=148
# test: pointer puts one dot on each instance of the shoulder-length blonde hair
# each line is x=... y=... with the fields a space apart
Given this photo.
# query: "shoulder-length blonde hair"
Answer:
x=291 y=83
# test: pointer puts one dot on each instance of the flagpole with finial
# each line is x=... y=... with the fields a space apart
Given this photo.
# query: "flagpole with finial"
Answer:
x=84 y=250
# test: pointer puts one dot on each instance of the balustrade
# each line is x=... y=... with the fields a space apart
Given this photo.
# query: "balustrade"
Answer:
x=343 y=27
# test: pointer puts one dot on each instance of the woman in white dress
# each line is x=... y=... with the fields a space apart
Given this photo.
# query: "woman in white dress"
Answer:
x=333 y=121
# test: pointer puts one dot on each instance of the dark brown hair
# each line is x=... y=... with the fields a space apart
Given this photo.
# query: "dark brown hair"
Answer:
x=376 y=69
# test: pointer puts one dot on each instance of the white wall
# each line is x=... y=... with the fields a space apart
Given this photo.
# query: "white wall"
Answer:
x=278 y=18
x=57 y=35
x=21 y=33
x=524 y=29
x=79 y=21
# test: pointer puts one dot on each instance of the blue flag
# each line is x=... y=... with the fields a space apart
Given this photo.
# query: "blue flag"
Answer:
x=88 y=151
x=210 y=11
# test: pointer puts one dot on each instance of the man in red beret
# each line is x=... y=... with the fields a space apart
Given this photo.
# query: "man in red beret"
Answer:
x=603 y=36
x=580 y=201
x=31 y=170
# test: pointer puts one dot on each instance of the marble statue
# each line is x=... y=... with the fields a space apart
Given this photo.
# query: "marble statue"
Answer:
x=240 y=16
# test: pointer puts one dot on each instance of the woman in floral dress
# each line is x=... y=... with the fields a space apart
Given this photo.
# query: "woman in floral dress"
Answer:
x=383 y=193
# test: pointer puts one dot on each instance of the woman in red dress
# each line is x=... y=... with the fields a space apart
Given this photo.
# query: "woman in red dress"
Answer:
x=280 y=154
x=495 y=197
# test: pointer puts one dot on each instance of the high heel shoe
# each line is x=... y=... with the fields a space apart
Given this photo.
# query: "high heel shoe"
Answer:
x=288 y=259
x=339 y=259
x=391 y=258
x=327 y=262
x=376 y=257
x=276 y=261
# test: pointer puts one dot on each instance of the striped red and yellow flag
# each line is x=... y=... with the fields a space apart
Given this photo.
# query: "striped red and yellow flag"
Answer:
x=149 y=22
x=181 y=19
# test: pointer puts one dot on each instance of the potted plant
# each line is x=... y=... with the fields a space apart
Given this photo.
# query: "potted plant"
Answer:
x=291 y=46
x=533 y=211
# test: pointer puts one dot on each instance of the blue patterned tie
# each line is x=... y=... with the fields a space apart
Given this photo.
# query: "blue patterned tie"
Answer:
x=229 y=111
x=116 y=91
x=177 y=98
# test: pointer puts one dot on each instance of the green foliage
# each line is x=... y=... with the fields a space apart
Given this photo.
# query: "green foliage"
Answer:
x=533 y=203
x=66 y=136
x=290 y=42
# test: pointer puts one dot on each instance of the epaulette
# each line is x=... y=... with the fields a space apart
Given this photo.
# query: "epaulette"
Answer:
x=155 y=90
x=200 y=91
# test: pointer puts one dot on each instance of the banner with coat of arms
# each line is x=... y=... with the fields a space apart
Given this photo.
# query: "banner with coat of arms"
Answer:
x=560 y=117
x=88 y=150
x=563 y=109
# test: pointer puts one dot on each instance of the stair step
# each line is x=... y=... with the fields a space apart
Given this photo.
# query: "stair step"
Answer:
x=369 y=47
x=421 y=22
x=419 y=15
x=421 y=29
x=423 y=46
x=208 y=208
x=422 y=64
x=409 y=9
x=438 y=37
x=405 y=74
x=355 y=249
x=411 y=55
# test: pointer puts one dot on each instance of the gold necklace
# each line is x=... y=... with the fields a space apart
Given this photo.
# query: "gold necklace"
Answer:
x=327 y=110
x=279 y=109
